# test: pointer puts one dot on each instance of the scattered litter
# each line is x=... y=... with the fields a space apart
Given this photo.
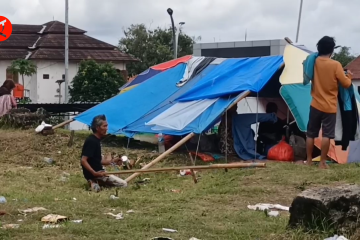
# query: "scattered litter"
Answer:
x=118 y=216
x=77 y=221
x=185 y=172
x=74 y=199
x=41 y=127
x=161 y=238
x=175 y=190
x=53 y=218
x=143 y=181
x=31 y=210
x=63 y=179
x=169 y=230
x=10 y=226
x=59 y=152
x=113 y=197
x=336 y=237
x=2 y=199
x=48 y=160
x=2 y=213
x=193 y=238
x=20 y=220
x=130 y=211
x=267 y=206
x=49 y=226
x=272 y=213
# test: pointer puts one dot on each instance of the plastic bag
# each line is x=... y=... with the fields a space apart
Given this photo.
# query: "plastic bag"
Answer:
x=281 y=152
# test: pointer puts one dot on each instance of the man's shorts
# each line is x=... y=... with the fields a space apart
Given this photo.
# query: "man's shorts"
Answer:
x=321 y=120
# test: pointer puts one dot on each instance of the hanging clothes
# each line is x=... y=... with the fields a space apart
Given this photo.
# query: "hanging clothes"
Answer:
x=244 y=143
x=7 y=102
x=347 y=119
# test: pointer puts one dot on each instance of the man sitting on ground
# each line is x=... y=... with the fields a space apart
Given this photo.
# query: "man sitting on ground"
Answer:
x=328 y=74
x=92 y=160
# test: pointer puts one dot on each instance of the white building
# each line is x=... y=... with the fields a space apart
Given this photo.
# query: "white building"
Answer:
x=45 y=46
x=240 y=49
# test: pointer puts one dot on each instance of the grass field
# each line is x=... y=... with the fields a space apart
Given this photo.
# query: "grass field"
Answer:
x=215 y=208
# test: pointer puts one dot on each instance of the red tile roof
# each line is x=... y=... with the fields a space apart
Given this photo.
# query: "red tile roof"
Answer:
x=47 y=42
x=354 y=67
x=81 y=54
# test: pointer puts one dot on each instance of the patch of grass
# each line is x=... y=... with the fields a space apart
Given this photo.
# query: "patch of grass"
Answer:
x=215 y=208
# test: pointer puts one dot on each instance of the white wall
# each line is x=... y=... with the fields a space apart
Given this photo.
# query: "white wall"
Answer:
x=4 y=64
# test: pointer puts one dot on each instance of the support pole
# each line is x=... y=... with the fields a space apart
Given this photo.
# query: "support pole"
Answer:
x=200 y=167
x=66 y=51
x=162 y=156
x=63 y=124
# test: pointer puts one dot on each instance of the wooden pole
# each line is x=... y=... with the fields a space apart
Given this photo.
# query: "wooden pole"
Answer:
x=199 y=167
x=63 y=124
x=239 y=98
x=288 y=40
x=163 y=155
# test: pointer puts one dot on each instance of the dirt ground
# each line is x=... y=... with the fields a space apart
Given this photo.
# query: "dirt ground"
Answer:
x=214 y=208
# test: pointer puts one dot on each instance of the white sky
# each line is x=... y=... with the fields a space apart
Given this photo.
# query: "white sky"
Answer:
x=222 y=20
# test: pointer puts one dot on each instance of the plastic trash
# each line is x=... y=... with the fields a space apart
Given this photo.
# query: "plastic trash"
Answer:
x=10 y=226
x=48 y=160
x=118 y=216
x=2 y=199
x=113 y=197
x=169 y=230
x=41 y=127
x=336 y=237
x=161 y=143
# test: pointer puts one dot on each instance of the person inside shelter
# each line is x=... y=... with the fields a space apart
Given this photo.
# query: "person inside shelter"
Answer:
x=270 y=133
x=92 y=160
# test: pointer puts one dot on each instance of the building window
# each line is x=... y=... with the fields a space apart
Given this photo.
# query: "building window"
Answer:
x=12 y=76
x=46 y=76
x=63 y=77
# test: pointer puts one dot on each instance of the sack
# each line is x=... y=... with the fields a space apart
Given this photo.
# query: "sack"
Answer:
x=281 y=152
x=308 y=68
x=299 y=145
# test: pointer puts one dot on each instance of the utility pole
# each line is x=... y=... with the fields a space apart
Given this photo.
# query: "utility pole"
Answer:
x=299 y=20
x=66 y=92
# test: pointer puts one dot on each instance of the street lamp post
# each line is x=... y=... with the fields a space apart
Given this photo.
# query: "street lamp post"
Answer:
x=299 y=20
x=170 y=12
x=177 y=37
x=66 y=50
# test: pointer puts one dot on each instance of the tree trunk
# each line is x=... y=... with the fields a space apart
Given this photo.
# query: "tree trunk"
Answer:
x=23 y=83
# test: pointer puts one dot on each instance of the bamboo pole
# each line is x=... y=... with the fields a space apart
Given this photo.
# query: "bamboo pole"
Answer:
x=199 y=167
x=63 y=124
x=163 y=155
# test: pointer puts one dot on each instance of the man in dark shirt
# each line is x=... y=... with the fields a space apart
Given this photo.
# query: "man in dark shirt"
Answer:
x=271 y=133
x=92 y=160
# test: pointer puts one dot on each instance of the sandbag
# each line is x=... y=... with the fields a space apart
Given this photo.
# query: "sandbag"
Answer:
x=281 y=152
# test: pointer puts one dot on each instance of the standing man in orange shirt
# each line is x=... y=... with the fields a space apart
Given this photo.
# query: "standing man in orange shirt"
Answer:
x=328 y=74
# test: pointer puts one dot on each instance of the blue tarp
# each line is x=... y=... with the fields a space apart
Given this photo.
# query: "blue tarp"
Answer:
x=128 y=107
x=234 y=76
x=244 y=143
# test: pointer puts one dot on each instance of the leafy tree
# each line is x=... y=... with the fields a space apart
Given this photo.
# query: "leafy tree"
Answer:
x=23 y=67
x=95 y=82
x=152 y=47
x=344 y=56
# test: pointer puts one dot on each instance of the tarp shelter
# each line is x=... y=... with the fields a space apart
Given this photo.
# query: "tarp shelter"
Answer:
x=298 y=98
x=152 y=71
x=159 y=103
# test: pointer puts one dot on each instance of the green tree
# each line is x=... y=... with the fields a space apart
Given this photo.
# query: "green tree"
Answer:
x=23 y=67
x=152 y=47
x=344 y=56
x=95 y=82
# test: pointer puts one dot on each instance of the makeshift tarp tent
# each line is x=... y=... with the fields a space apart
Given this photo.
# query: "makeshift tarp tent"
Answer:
x=298 y=98
x=152 y=71
x=157 y=102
